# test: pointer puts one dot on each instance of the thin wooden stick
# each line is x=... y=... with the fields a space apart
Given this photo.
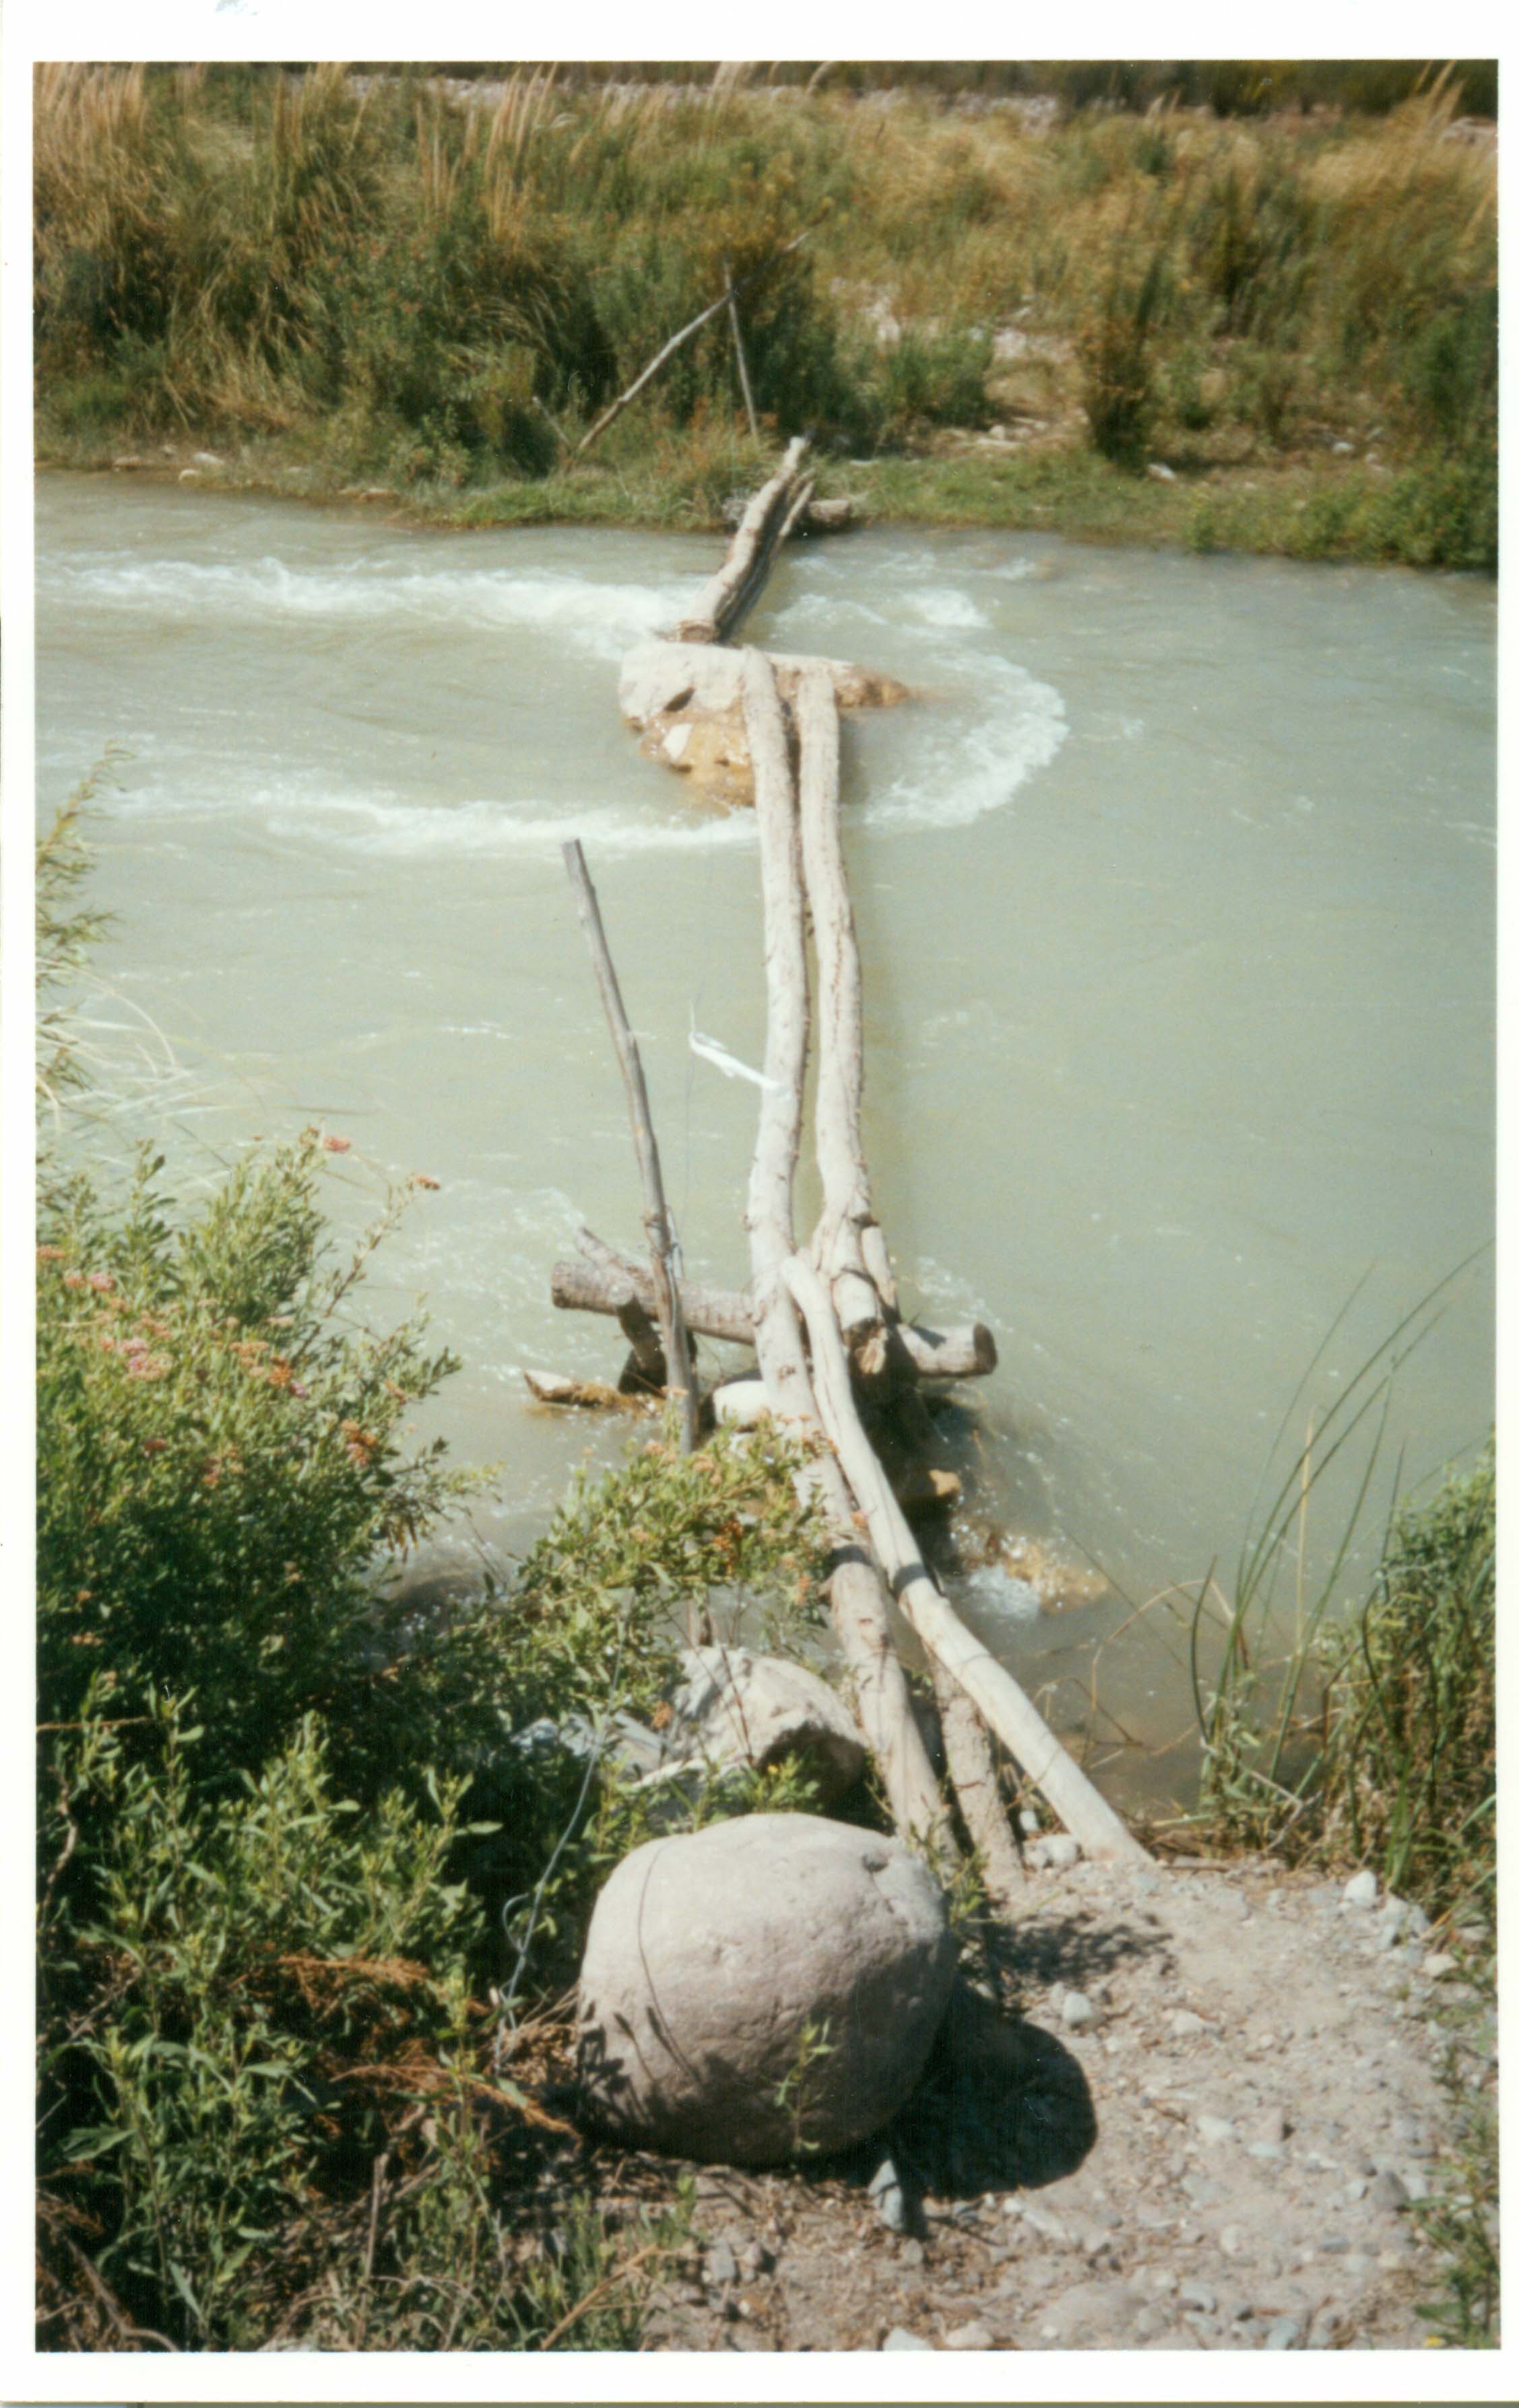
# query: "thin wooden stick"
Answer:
x=738 y=349
x=656 y=1219
x=660 y=358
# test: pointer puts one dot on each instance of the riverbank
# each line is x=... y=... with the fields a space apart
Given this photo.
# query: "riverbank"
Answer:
x=1308 y=509
x=1277 y=335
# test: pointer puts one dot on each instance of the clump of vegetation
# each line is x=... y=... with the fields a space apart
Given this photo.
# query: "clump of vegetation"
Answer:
x=1372 y=1740
x=440 y=284
x=305 y=1891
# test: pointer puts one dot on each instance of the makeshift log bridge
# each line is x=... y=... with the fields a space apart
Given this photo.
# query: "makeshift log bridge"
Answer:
x=835 y=1354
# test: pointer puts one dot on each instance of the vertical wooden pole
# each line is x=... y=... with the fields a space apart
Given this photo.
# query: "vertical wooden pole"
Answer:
x=738 y=347
x=656 y=1218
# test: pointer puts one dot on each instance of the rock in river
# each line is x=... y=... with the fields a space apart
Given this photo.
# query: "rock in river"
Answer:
x=762 y=1987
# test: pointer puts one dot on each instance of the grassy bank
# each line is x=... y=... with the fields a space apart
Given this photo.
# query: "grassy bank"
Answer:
x=337 y=282
x=1373 y=1741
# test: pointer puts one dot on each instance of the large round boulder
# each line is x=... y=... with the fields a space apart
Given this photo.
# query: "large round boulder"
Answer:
x=762 y=1988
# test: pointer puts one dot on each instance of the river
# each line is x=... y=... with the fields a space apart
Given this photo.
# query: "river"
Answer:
x=1175 y=890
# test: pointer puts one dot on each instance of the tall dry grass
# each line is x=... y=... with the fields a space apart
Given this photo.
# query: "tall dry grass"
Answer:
x=426 y=285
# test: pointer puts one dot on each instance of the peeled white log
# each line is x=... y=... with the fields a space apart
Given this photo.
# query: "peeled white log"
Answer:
x=856 y=1597
x=1022 y=1730
x=847 y=1210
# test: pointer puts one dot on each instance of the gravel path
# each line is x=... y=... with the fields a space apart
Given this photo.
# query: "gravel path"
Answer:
x=1202 y=2132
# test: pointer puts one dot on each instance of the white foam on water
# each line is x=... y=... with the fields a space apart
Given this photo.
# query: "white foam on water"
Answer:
x=1003 y=1592
x=965 y=771
x=374 y=824
x=600 y=618
x=944 y=606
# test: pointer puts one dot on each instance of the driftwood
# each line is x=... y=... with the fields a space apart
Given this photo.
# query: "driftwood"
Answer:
x=971 y=1760
x=847 y=1245
x=1022 y=1730
x=855 y=1595
x=726 y=598
x=656 y=1219
x=968 y=1352
x=661 y=358
x=824 y=1320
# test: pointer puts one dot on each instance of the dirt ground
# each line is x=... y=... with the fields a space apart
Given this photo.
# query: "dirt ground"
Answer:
x=1195 y=2121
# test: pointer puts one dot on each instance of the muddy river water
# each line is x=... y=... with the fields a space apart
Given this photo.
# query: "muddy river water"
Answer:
x=1175 y=890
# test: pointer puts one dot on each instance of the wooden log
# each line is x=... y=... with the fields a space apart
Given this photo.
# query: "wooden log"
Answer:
x=1082 y=1808
x=847 y=1213
x=662 y=357
x=740 y=1404
x=972 y=1767
x=656 y=1219
x=964 y=1353
x=727 y=597
x=855 y=1595
x=645 y=1368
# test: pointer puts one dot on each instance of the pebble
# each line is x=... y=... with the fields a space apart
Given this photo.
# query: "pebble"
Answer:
x=1215 y=2129
x=720 y=2265
x=1076 y=2010
x=1028 y=1821
x=1198 y=2295
x=754 y=2258
x=1435 y=1968
x=888 y=2196
x=1184 y=2025
x=910 y=2254
x=1334 y=2245
x=899 y=2338
x=1158 y=469
x=971 y=2336
x=1361 y=1888
x=1232 y=2239
x=1283 y=2332
x=207 y=459
x=1388 y=2190
x=1061 y=1852
x=1271 y=2126
x=1266 y=2149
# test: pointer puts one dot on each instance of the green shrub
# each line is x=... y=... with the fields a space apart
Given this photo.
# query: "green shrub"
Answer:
x=1411 y=1763
x=218 y=1457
